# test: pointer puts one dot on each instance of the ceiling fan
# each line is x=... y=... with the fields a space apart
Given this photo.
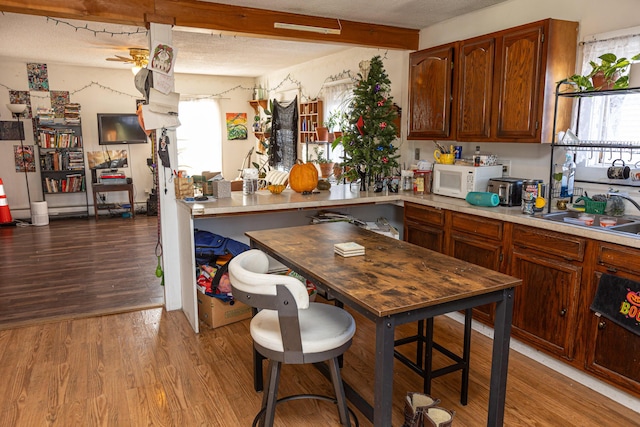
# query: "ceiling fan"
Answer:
x=139 y=57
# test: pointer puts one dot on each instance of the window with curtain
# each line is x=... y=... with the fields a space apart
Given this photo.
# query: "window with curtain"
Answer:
x=609 y=118
x=199 y=136
x=336 y=99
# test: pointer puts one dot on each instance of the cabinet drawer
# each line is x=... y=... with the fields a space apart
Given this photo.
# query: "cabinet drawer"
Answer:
x=536 y=240
x=615 y=258
x=480 y=226
x=424 y=214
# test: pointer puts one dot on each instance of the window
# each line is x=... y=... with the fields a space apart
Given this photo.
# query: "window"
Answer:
x=609 y=119
x=199 y=136
x=336 y=99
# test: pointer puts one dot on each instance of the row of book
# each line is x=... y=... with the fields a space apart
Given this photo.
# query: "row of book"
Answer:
x=62 y=161
x=58 y=138
x=68 y=184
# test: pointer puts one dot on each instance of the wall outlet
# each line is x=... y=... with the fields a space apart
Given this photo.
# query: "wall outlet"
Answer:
x=416 y=155
x=506 y=167
x=147 y=190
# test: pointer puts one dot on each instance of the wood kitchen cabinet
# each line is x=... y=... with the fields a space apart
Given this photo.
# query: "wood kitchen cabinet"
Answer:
x=424 y=226
x=503 y=85
x=480 y=241
x=612 y=352
x=431 y=76
x=545 y=311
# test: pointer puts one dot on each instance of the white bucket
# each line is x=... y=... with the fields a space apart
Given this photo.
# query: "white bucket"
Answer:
x=39 y=213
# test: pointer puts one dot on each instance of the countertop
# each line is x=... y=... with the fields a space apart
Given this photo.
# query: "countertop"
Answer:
x=341 y=195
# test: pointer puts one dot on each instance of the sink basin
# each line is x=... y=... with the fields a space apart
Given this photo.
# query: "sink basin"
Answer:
x=571 y=217
x=631 y=228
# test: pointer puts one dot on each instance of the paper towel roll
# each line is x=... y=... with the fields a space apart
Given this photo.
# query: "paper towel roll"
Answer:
x=634 y=75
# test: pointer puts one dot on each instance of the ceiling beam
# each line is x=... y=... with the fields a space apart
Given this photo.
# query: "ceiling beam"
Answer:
x=218 y=17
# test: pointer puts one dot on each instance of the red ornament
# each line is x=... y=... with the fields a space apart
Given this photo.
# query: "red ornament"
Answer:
x=380 y=103
x=360 y=125
x=383 y=125
x=385 y=160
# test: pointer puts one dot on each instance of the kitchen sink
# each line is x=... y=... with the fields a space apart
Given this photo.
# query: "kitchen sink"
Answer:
x=631 y=228
x=571 y=217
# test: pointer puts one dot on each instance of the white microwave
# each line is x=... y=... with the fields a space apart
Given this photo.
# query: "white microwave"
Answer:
x=459 y=180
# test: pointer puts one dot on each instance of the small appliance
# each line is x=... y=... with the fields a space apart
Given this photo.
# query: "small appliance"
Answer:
x=508 y=189
x=459 y=180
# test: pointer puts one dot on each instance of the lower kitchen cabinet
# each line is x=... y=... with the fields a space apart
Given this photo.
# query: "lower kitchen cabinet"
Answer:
x=424 y=226
x=612 y=352
x=560 y=274
x=545 y=309
x=478 y=240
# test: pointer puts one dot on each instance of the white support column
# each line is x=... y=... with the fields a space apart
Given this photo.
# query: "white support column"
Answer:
x=168 y=206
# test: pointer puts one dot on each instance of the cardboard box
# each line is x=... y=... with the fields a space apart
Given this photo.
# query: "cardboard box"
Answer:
x=215 y=312
x=220 y=189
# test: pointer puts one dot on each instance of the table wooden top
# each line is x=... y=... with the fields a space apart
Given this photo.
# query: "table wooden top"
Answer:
x=392 y=277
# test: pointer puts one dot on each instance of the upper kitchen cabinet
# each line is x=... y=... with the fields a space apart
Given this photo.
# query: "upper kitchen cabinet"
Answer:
x=431 y=76
x=475 y=82
x=530 y=60
x=503 y=87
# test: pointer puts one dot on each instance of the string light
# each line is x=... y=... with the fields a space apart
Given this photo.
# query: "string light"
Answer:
x=96 y=32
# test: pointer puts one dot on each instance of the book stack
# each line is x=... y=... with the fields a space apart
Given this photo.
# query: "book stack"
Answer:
x=45 y=115
x=72 y=114
x=348 y=249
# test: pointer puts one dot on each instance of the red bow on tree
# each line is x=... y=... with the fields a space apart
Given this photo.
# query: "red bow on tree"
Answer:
x=360 y=125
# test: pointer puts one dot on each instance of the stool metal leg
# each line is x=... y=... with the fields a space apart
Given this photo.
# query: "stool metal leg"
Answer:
x=270 y=396
x=466 y=356
x=428 y=356
x=338 y=388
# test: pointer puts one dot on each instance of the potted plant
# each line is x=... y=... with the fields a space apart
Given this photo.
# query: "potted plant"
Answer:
x=325 y=164
x=606 y=75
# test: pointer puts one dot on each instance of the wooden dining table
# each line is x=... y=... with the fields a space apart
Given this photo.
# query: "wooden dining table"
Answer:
x=394 y=283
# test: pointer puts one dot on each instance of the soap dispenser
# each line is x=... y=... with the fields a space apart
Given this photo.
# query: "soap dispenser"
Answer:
x=568 y=176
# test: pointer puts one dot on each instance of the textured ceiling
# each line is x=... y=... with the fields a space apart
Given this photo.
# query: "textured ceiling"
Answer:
x=65 y=41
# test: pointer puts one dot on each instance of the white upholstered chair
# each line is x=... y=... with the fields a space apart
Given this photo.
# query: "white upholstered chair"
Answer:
x=288 y=328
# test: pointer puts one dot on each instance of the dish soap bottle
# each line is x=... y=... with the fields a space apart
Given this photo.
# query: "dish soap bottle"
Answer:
x=568 y=176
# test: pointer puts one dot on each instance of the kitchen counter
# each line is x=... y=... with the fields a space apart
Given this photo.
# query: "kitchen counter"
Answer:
x=341 y=195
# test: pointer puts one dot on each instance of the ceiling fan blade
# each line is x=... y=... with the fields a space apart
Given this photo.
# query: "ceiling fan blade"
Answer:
x=120 y=59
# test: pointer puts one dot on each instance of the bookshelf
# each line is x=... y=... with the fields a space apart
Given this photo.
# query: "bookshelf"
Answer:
x=61 y=155
x=310 y=116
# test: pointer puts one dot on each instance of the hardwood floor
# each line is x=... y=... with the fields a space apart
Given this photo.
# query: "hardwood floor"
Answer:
x=64 y=364
x=77 y=267
x=147 y=368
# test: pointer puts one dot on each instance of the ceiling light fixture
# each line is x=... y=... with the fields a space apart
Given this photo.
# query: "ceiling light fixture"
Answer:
x=309 y=28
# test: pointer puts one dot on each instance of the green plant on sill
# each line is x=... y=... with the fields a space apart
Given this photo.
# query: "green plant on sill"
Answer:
x=609 y=66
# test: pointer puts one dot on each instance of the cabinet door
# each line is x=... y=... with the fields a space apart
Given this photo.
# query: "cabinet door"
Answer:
x=475 y=87
x=425 y=236
x=518 y=85
x=545 y=306
x=431 y=92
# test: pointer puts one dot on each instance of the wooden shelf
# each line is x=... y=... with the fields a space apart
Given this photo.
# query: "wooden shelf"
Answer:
x=257 y=103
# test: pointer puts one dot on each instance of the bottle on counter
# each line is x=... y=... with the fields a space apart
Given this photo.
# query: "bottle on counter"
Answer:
x=476 y=157
x=568 y=176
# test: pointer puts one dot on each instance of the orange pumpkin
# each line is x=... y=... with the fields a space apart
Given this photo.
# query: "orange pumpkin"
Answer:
x=303 y=177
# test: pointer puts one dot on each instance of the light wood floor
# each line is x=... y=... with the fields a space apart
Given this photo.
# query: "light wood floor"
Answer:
x=77 y=267
x=147 y=367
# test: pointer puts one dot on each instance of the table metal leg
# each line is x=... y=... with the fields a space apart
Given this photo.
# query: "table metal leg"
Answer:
x=500 y=359
x=383 y=388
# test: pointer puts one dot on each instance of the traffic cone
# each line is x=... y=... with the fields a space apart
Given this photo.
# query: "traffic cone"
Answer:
x=5 y=213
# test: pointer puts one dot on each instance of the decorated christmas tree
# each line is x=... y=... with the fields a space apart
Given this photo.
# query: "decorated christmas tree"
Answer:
x=368 y=140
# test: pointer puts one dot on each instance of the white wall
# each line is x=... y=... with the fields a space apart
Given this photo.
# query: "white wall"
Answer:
x=113 y=92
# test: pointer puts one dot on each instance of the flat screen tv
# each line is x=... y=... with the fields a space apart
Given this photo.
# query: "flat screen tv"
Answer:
x=114 y=128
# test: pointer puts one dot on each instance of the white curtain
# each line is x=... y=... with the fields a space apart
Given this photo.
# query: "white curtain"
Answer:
x=336 y=97
x=609 y=119
x=199 y=136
